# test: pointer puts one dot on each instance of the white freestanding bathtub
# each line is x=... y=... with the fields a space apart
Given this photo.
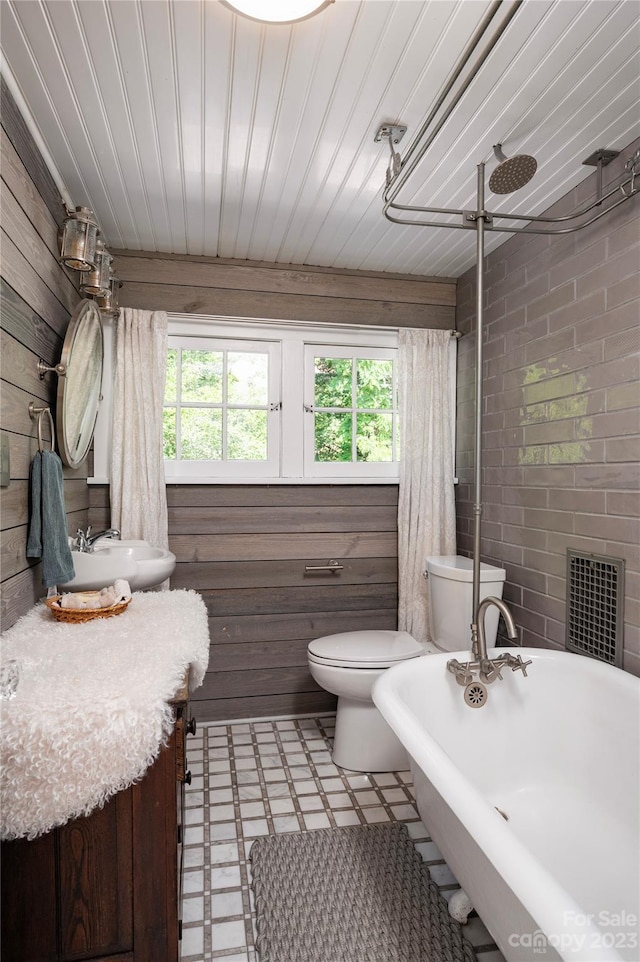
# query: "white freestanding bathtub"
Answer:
x=557 y=752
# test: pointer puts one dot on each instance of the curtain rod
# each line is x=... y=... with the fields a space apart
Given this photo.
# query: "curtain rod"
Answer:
x=282 y=322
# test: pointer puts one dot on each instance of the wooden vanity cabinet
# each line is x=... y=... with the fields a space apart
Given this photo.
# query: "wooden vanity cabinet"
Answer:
x=106 y=886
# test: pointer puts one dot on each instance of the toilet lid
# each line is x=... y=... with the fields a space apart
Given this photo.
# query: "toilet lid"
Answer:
x=456 y=568
x=365 y=649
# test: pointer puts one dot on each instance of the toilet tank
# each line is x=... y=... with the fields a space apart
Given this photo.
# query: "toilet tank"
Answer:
x=450 y=580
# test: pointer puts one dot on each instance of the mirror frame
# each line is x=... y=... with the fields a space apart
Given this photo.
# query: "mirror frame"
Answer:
x=86 y=308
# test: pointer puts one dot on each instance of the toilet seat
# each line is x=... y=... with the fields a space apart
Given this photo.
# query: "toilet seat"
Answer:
x=364 y=649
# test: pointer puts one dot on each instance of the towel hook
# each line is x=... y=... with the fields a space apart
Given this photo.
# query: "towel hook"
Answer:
x=39 y=413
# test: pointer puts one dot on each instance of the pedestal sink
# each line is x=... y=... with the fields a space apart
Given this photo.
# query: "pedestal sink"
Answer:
x=140 y=563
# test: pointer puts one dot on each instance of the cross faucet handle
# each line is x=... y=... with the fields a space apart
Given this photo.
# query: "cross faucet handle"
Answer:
x=489 y=671
x=462 y=673
x=521 y=665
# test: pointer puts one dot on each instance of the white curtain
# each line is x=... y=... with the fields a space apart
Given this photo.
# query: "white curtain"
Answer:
x=426 y=508
x=138 y=491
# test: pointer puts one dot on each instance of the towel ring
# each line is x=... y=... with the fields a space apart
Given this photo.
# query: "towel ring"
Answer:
x=39 y=413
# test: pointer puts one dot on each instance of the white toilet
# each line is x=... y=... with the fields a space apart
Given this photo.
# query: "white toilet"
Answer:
x=450 y=579
x=347 y=664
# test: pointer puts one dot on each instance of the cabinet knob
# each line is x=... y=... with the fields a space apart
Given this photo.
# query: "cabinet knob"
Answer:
x=187 y=778
x=191 y=726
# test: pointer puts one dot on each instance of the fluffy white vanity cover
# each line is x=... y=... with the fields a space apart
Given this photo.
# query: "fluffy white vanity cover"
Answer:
x=91 y=709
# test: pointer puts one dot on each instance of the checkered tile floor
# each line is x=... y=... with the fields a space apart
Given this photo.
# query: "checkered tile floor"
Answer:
x=267 y=777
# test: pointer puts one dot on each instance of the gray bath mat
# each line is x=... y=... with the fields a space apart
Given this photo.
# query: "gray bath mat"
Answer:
x=358 y=894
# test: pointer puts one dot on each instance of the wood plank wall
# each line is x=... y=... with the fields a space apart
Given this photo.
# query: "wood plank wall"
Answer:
x=204 y=285
x=244 y=548
x=36 y=299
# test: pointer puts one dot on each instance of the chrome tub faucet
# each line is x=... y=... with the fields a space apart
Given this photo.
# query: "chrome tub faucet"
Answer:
x=488 y=668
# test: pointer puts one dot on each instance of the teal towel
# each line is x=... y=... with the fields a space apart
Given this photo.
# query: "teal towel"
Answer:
x=48 y=524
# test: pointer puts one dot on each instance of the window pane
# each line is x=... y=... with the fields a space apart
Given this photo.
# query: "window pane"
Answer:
x=202 y=376
x=374 y=437
x=172 y=376
x=333 y=437
x=246 y=435
x=374 y=381
x=247 y=378
x=201 y=434
x=333 y=383
x=169 y=433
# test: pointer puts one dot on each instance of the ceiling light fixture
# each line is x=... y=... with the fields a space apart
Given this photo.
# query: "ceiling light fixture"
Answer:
x=277 y=11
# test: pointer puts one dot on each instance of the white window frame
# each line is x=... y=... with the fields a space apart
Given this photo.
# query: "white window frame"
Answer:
x=344 y=469
x=225 y=470
x=292 y=337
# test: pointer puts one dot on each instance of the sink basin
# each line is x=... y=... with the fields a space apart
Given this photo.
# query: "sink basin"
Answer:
x=140 y=563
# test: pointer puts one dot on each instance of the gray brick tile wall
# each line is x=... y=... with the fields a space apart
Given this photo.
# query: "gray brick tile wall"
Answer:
x=561 y=418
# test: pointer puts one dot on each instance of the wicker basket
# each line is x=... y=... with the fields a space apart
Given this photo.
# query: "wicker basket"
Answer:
x=78 y=615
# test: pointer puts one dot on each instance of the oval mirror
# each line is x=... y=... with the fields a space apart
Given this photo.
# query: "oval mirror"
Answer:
x=79 y=387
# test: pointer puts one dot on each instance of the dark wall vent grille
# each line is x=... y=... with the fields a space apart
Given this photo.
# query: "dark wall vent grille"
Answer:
x=595 y=596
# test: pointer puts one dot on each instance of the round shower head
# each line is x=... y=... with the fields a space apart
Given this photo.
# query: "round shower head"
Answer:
x=512 y=173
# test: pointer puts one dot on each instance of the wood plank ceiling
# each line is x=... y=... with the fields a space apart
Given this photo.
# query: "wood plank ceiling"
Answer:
x=189 y=129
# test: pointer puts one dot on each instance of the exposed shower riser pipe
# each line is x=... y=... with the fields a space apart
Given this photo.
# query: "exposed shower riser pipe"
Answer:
x=477 y=506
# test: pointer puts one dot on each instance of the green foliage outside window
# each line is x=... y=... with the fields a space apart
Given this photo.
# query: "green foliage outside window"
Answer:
x=201 y=434
x=171 y=382
x=216 y=407
x=247 y=435
x=202 y=377
x=202 y=373
x=169 y=433
x=362 y=432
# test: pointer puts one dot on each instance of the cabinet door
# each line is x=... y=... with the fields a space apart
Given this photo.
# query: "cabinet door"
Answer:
x=102 y=887
x=96 y=908
x=155 y=874
x=29 y=922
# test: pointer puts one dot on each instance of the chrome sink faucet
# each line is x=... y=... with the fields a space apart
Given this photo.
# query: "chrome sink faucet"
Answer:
x=488 y=668
x=85 y=541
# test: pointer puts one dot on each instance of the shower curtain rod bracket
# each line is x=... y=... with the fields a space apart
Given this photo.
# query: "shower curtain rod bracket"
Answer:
x=394 y=132
x=471 y=217
x=601 y=157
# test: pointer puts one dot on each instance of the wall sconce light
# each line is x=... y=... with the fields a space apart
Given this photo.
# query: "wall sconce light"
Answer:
x=108 y=300
x=96 y=282
x=78 y=241
x=277 y=11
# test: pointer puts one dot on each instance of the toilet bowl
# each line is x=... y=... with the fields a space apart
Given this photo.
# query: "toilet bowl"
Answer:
x=348 y=664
